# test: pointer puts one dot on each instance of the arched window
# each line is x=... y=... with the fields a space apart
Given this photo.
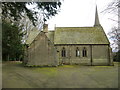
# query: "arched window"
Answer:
x=77 y=52
x=63 y=52
x=84 y=52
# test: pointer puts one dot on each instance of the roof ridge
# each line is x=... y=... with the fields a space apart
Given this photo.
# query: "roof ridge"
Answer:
x=76 y=27
x=50 y=31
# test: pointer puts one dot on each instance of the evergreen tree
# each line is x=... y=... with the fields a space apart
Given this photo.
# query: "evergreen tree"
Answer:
x=12 y=47
x=15 y=10
x=117 y=56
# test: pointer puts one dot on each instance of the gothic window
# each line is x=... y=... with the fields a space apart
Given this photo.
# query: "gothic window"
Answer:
x=84 y=52
x=63 y=52
x=77 y=52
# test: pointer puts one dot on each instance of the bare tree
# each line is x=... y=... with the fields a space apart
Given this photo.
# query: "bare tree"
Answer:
x=27 y=26
x=114 y=8
x=115 y=37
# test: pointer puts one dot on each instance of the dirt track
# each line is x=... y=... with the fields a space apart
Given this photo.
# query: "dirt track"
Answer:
x=68 y=76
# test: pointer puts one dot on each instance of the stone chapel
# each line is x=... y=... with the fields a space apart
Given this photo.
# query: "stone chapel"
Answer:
x=68 y=45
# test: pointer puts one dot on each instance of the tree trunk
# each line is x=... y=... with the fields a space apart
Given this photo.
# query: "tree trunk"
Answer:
x=8 y=57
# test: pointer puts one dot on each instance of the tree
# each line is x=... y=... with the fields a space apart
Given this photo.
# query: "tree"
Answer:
x=115 y=37
x=13 y=13
x=29 y=14
x=117 y=56
x=16 y=10
x=12 y=48
x=114 y=8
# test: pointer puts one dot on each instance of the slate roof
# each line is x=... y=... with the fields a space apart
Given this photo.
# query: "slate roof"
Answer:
x=32 y=34
x=51 y=35
x=80 y=35
x=73 y=35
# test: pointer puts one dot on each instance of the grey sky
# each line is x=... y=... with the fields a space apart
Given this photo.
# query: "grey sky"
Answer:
x=80 y=13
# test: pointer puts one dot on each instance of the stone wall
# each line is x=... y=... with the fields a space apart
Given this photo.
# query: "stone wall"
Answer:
x=96 y=54
x=42 y=52
x=100 y=55
x=71 y=54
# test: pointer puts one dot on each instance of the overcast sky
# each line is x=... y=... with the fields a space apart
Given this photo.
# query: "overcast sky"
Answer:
x=81 y=13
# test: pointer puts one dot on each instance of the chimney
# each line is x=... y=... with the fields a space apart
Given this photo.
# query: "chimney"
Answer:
x=45 y=28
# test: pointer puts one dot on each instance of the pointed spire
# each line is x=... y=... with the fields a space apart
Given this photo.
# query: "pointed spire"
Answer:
x=97 y=23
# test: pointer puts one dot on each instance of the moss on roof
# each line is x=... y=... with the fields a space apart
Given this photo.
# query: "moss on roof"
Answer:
x=33 y=33
x=73 y=35
x=51 y=35
x=80 y=35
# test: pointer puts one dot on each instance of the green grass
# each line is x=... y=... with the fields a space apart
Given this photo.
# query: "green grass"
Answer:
x=102 y=66
x=68 y=66
x=117 y=63
x=16 y=62
x=50 y=71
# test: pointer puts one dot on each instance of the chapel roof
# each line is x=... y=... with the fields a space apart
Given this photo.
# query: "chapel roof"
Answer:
x=32 y=34
x=75 y=35
x=51 y=35
x=80 y=35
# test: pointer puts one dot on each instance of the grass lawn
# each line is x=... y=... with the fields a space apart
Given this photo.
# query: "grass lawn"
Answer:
x=15 y=75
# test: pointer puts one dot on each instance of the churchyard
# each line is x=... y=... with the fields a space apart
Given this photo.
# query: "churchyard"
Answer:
x=15 y=75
